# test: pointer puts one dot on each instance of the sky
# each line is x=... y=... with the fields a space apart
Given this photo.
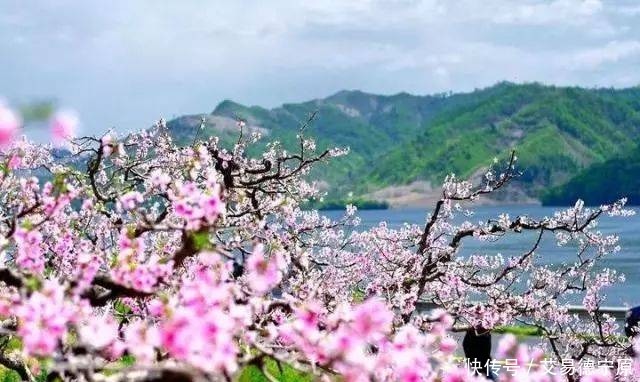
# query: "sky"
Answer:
x=124 y=64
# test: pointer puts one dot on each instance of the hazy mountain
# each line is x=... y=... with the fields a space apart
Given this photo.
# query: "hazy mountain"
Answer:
x=402 y=139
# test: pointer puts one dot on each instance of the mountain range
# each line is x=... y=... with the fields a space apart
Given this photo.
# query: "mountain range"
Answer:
x=567 y=139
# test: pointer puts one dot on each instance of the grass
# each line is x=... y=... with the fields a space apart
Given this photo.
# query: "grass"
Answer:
x=7 y=375
x=284 y=373
x=519 y=330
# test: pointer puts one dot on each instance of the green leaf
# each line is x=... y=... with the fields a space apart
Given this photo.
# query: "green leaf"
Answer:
x=201 y=240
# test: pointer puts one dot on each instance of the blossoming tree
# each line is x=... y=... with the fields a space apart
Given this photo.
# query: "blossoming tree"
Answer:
x=196 y=262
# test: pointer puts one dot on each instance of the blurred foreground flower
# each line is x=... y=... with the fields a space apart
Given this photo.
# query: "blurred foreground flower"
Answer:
x=64 y=125
x=9 y=124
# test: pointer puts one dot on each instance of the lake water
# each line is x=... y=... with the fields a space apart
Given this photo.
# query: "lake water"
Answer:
x=627 y=261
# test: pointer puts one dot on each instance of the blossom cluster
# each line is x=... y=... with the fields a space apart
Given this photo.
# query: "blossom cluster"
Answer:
x=198 y=258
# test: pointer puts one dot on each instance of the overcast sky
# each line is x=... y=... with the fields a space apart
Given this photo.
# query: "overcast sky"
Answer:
x=127 y=63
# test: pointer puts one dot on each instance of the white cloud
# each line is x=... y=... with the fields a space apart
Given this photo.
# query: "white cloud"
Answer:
x=612 y=52
x=628 y=10
x=548 y=12
x=126 y=63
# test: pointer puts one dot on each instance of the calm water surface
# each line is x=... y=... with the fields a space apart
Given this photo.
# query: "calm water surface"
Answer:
x=627 y=261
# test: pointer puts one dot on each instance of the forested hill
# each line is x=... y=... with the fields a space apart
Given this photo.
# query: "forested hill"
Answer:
x=602 y=182
x=396 y=140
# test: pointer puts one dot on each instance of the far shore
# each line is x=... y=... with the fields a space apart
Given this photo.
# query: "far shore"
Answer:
x=421 y=194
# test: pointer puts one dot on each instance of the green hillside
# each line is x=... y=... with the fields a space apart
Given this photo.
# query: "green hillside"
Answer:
x=556 y=132
x=615 y=178
x=370 y=125
x=398 y=139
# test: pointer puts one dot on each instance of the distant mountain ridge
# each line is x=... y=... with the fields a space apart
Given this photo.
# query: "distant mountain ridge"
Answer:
x=402 y=139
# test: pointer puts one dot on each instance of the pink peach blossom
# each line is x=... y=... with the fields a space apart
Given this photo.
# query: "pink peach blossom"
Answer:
x=9 y=125
x=64 y=125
